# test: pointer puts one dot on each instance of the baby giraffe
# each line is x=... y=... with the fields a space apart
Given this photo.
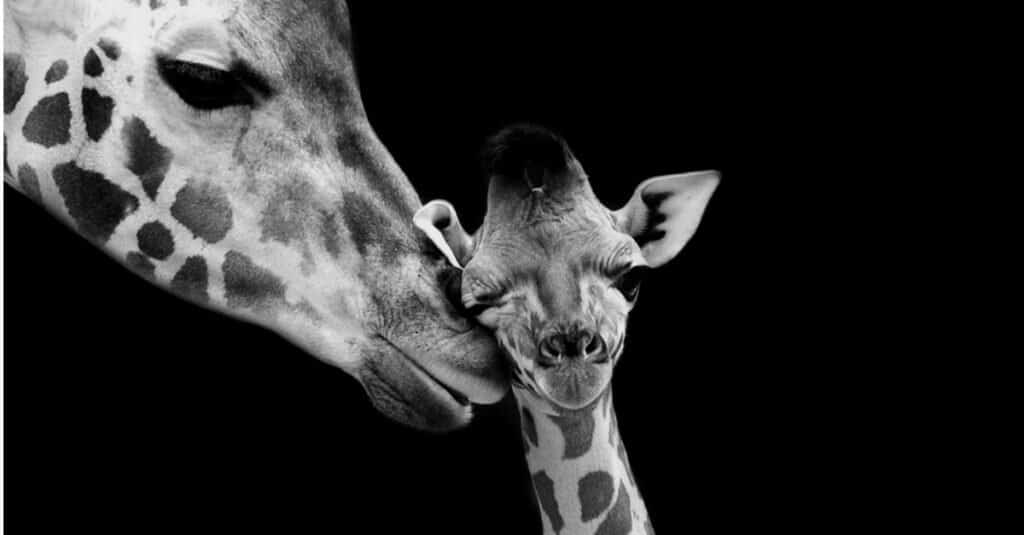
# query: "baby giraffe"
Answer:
x=554 y=273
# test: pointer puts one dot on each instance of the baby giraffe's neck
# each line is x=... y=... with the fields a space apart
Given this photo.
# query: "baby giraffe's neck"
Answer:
x=580 y=471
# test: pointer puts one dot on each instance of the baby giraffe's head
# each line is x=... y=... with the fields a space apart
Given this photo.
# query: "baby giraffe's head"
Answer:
x=552 y=270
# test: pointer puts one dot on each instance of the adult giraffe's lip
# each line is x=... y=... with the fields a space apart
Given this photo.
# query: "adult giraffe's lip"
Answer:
x=458 y=397
x=466 y=367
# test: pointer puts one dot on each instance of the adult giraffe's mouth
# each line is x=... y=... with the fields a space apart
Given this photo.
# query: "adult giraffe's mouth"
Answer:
x=456 y=395
x=433 y=389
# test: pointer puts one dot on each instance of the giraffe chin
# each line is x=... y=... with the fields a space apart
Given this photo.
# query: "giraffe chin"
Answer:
x=574 y=385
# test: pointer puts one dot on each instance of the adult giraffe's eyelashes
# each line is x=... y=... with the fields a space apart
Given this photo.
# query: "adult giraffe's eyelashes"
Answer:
x=203 y=87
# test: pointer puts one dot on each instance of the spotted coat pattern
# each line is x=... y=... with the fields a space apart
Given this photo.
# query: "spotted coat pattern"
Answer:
x=580 y=471
x=220 y=149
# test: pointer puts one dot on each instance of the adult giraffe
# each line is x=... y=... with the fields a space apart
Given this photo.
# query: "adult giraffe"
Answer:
x=221 y=149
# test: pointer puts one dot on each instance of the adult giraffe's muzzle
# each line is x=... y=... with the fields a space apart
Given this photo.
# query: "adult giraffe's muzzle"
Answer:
x=428 y=363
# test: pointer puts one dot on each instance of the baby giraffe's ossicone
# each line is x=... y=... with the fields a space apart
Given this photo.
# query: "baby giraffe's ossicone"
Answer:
x=554 y=273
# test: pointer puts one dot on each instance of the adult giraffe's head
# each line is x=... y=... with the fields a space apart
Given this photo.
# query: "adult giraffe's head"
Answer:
x=552 y=270
x=221 y=149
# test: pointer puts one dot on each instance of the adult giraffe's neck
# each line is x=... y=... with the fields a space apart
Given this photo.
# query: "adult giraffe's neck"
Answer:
x=580 y=471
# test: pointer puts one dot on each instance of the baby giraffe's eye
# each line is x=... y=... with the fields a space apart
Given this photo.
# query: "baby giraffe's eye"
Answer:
x=629 y=282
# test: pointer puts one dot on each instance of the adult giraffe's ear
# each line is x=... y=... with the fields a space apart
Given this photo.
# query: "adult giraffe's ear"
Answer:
x=664 y=212
x=438 y=220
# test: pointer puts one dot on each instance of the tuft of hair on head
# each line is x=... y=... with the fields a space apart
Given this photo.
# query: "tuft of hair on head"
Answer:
x=525 y=151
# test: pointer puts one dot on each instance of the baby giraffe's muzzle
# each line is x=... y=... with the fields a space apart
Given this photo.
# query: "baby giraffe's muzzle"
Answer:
x=575 y=344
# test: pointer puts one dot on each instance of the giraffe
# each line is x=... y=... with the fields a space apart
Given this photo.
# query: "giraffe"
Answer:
x=554 y=273
x=221 y=150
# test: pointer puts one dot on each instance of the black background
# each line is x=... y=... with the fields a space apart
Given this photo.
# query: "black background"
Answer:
x=129 y=410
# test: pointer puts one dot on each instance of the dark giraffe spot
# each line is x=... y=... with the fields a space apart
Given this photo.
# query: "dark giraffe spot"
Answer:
x=248 y=285
x=96 y=204
x=367 y=226
x=596 y=490
x=147 y=158
x=110 y=48
x=97 y=110
x=329 y=233
x=92 y=64
x=57 y=71
x=544 y=487
x=530 y=427
x=350 y=148
x=29 y=183
x=155 y=240
x=129 y=79
x=154 y=4
x=578 y=430
x=354 y=153
x=191 y=279
x=620 y=519
x=140 y=264
x=49 y=122
x=287 y=211
x=203 y=208
x=14 y=80
x=312 y=144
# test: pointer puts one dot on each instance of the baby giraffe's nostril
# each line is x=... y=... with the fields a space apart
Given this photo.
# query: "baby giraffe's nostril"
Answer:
x=550 y=351
x=581 y=345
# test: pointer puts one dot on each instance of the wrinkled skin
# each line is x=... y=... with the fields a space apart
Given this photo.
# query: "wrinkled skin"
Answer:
x=277 y=188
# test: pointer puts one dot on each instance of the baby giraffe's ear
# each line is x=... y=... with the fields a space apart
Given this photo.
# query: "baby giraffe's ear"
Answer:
x=437 y=219
x=664 y=212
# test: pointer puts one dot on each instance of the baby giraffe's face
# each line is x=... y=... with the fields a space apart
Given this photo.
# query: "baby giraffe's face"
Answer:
x=556 y=283
x=552 y=271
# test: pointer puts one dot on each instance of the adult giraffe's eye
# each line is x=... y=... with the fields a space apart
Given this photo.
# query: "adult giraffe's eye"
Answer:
x=629 y=282
x=203 y=87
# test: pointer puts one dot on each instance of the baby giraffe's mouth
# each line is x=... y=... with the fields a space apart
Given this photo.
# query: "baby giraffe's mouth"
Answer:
x=574 y=384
